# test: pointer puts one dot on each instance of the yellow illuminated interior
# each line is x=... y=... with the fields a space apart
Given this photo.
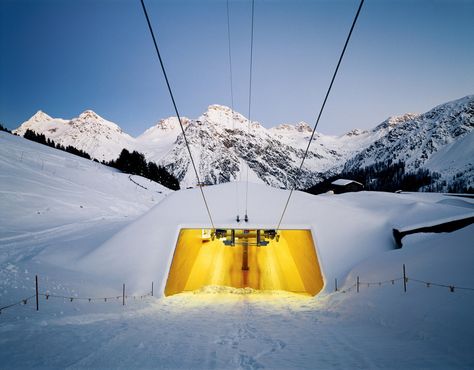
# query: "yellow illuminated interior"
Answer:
x=289 y=264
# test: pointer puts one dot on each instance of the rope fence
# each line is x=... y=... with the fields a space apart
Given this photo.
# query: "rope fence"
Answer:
x=358 y=284
x=70 y=298
x=20 y=302
x=451 y=287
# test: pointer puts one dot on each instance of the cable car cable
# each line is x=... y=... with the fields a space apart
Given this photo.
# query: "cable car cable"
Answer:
x=176 y=110
x=320 y=112
x=232 y=103
x=249 y=107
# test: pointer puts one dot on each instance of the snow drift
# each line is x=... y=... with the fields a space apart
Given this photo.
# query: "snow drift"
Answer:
x=346 y=229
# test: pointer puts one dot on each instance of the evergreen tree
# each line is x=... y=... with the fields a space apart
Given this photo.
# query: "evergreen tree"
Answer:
x=382 y=176
x=3 y=128
x=135 y=163
x=40 y=138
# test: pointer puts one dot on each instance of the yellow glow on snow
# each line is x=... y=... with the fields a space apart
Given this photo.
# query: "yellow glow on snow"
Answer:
x=289 y=265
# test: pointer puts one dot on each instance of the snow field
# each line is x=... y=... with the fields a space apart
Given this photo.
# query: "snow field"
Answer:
x=81 y=251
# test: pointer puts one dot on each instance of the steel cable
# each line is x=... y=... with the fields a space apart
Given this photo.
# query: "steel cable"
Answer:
x=232 y=101
x=249 y=107
x=200 y=185
x=321 y=112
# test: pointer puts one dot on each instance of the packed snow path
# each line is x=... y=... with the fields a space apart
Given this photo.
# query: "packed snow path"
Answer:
x=220 y=331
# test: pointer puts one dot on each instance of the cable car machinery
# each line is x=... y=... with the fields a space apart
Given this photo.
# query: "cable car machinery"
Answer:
x=242 y=237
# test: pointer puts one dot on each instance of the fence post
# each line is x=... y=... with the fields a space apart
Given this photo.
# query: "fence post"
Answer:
x=335 y=284
x=123 y=295
x=357 y=284
x=404 y=279
x=37 y=293
x=152 y=288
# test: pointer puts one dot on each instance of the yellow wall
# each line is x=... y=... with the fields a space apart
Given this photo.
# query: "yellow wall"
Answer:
x=290 y=264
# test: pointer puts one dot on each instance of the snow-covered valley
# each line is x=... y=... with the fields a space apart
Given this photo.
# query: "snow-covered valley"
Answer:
x=59 y=211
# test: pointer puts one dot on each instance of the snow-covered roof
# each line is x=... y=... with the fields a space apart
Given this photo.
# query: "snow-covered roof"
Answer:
x=346 y=228
x=344 y=182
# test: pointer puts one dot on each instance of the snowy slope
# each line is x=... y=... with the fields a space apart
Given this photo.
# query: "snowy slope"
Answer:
x=47 y=193
x=224 y=145
x=44 y=231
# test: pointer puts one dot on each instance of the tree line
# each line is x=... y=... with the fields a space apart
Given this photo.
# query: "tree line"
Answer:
x=40 y=138
x=384 y=176
x=133 y=163
x=3 y=128
x=136 y=164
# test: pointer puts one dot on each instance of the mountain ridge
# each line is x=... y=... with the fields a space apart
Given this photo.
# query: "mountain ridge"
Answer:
x=224 y=144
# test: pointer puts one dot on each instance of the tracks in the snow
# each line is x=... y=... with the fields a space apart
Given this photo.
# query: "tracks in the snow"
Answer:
x=248 y=342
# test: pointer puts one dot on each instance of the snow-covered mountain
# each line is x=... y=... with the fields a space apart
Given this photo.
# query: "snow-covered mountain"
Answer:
x=225 y=146
x=95 y=135
x=440 y=140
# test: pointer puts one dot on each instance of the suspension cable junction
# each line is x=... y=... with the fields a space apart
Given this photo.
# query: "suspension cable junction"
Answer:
x=177 y=112
x=320 y=112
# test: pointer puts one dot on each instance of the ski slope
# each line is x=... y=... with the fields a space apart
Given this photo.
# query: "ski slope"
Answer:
x=58 y=209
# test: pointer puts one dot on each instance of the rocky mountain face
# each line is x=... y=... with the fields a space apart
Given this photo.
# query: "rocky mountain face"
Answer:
x=441 y=140
x=226 y=147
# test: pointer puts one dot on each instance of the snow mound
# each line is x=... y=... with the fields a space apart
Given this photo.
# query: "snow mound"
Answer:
x=346 y=229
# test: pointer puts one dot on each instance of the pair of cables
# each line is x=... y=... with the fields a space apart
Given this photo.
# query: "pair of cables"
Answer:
x=249 y=107
x=246 y=218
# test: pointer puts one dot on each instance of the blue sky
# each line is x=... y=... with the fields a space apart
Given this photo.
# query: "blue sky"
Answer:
x=67 y=56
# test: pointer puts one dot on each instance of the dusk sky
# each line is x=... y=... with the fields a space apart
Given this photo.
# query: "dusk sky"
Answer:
x=64 y=57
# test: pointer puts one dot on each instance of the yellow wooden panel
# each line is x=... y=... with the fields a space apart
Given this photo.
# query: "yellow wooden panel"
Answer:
x=290 y=264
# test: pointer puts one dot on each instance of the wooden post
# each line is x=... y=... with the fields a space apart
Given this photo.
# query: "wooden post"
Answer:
x=404 y=279
x=357 y=284
x=335 y=284
x=123 y=295
x=152 y=288
x=37 y=293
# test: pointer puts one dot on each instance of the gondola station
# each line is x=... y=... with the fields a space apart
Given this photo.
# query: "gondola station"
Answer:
x=320 y=239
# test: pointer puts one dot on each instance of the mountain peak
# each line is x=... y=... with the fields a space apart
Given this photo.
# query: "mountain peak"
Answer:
x=218 y=107
x=216 y=112
x=40 y=116
x=223 y=115
x=393 y=121
x=89 y=115
x=303 y=127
